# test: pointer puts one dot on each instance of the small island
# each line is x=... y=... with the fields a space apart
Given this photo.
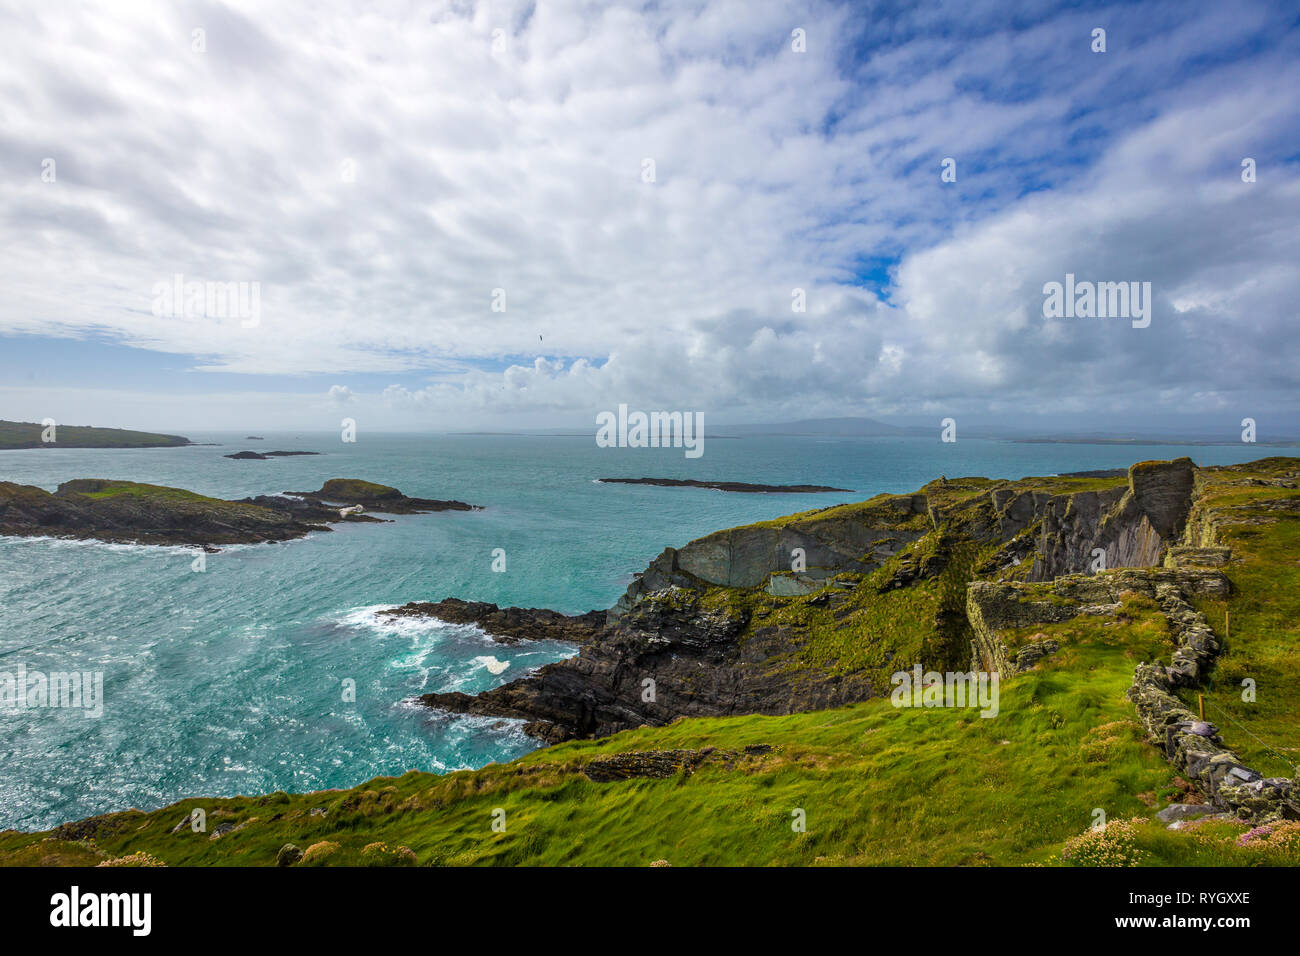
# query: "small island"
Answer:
x=263 y=455
x=128 y=512
x=740 y=486
x=346 y=492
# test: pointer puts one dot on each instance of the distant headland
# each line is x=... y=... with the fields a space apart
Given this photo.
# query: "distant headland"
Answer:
x=37 y=435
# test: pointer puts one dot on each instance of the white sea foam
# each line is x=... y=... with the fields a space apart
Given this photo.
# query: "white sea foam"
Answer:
x=369 y=618
x=464 y=726
x=162 y=550
x=493 y=665
x=55 y=542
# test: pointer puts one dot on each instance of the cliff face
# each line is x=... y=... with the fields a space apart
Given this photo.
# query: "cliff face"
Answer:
x=1131 y=526
x=790 y=558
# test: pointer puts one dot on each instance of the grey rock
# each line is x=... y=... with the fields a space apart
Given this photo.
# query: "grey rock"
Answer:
x=1183 y=811
x=221 y=830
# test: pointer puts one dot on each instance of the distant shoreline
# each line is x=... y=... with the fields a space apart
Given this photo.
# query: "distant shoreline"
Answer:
x=23 y=435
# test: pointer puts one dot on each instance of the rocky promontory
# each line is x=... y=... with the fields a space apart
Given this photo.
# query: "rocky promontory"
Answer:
x=760 y=619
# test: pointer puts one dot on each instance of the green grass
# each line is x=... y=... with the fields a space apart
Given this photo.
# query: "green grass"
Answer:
x=356 y=488
x=131 y=489
x=878 y=785
x=1264 y=636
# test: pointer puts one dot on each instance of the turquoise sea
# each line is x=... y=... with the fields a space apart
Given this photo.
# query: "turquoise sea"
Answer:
x=229 y=681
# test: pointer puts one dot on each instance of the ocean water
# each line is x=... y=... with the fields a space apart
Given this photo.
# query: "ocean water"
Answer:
x=230 y=681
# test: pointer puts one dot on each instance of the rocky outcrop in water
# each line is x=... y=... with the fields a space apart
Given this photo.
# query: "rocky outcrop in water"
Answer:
x=264 y=455
x=739 y=486
x=508 y=625
x=668 y=650
x=342 y=492
x=130 y=512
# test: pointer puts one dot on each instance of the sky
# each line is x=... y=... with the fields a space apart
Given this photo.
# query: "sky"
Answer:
x=452 y=215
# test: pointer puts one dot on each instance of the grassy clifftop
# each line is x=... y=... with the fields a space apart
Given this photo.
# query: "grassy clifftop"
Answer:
x=870 y=783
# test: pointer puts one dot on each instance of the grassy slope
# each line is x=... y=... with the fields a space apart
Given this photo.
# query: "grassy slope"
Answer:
x=1264 y=633
x=134 y=489
x=878 y=784
x=28 y=435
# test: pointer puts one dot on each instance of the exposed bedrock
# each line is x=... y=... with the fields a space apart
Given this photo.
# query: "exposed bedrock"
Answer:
x=667 y=657
x=508 y=625
x=1132 y=526
x=812 y=549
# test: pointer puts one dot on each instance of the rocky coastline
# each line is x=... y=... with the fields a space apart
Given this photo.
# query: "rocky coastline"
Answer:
x=706 y=630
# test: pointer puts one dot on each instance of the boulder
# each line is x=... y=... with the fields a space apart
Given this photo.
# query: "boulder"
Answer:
x=1183 y=811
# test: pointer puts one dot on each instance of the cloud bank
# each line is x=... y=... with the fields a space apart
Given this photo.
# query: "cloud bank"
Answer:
x=517 y=212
